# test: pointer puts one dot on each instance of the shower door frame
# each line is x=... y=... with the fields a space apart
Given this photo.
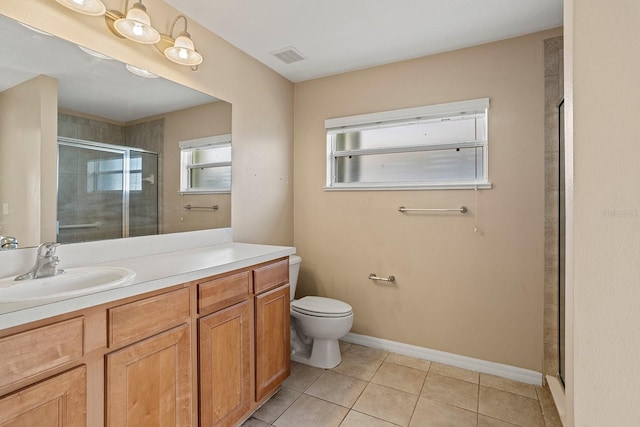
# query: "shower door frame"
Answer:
x=561 y=245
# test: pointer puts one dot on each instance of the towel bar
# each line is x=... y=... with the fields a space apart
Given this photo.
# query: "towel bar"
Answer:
x=462 y=209
x=189 y=207
x=373 y=276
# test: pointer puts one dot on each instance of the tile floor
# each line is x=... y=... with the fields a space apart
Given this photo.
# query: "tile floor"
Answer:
x=372 y=388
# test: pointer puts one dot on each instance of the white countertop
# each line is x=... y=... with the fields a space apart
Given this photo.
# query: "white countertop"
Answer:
x=153 y=272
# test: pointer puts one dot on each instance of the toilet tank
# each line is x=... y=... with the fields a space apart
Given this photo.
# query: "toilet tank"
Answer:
x=294 y=269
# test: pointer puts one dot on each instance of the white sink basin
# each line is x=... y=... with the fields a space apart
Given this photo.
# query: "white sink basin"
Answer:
x=73 y=282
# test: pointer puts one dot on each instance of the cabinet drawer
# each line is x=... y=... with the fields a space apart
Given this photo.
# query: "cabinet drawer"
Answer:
x=220 y=293
x=36 y=351
x=270 y=276
x=140 y=319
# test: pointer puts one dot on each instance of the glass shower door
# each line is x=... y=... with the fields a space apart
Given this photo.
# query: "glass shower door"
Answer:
x=143 y=193
x=105 y=192
x=90 y=193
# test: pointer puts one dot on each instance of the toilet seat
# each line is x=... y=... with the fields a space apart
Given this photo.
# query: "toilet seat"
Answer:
x=321 y=307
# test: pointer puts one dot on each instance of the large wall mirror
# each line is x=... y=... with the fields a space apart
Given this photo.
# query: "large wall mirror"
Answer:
x=90 y=148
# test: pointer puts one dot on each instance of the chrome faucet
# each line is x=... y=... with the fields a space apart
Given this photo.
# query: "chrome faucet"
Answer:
x=46 y=263
x=8 y=242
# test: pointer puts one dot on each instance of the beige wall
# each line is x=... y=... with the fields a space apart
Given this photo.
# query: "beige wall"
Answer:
x=474 y=294
x=207 y=120
x=262 y=106
x=27 y=161
x=603 y=67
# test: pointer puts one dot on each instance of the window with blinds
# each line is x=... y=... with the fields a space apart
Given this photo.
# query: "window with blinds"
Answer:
x=437 y=146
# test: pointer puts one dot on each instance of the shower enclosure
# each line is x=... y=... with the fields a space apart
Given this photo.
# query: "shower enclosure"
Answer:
x=105 y=191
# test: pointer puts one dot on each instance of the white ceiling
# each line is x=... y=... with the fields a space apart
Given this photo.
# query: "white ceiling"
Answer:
x=344 y=35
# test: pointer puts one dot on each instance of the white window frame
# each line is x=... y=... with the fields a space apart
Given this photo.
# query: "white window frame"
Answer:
x=186 y=163
x=399 y=117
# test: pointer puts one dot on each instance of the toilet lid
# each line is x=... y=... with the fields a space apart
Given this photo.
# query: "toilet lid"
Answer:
x=321 y=307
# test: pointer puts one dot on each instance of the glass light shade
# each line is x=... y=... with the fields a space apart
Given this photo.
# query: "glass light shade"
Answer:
x=34 y=29
x=94 y=53
x=136 y=26
x=183 y=51
x=86 y=7
x=140 y=72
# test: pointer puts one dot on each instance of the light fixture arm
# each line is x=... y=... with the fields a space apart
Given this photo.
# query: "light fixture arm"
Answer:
x=175 y=21
x=180 y=48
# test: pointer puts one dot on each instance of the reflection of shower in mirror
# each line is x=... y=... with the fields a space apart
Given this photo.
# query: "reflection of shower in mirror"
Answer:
x=102 y=193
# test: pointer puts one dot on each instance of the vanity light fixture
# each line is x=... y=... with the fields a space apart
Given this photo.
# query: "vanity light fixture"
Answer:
x=180 y=50
x=136 y=25
x=86 y=7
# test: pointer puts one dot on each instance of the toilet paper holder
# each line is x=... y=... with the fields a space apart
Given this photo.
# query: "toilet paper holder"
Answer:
x=374 y=276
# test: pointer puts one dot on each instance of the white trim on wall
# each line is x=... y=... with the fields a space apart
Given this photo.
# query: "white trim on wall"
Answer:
x=478 y=365
x=408 y=113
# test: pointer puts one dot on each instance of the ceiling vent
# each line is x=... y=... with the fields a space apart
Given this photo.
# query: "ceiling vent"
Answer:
x=289 y=55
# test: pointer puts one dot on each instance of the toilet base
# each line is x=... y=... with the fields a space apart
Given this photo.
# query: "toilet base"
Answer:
x=324 y=354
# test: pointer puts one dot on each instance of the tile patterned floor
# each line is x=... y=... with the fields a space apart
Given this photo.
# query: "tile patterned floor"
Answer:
x=373 y=388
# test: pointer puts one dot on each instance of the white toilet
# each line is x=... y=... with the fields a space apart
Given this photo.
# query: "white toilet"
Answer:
x=317 y=324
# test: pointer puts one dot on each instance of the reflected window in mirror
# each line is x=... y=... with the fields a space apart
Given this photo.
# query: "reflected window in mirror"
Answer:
x=206 y=165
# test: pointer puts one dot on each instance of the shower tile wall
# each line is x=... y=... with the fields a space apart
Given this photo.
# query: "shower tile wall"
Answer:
x=147 y=136
x=553 y=93
x=70 y=126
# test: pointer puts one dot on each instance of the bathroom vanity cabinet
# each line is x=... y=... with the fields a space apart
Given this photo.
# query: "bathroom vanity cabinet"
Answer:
x=225 y=341
x=148 y=380
x=207 y=352
x=273 y=362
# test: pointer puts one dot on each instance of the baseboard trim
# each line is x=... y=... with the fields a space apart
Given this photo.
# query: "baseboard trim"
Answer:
x=478 y=365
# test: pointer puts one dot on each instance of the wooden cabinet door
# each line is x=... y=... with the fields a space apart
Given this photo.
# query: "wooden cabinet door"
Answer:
x=57 y=402
x=225 y=364
x=273 y=362
x=149 y=383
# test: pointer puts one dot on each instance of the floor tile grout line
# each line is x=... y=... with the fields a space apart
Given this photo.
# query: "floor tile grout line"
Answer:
x=289 y=406
x=372 y=416
x=334 y=403
x=478 y=404
x=413 y=411
x=544 y=421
